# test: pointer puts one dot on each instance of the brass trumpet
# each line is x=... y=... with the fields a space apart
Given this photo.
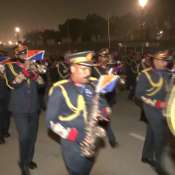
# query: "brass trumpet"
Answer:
x=39 y=68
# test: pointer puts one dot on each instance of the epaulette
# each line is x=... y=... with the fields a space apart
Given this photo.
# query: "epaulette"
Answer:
x=11 y=68
x=60 y=82
x=155 y=86
x=57 y=84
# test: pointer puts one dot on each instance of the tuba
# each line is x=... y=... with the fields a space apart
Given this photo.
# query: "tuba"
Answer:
x=170 y=109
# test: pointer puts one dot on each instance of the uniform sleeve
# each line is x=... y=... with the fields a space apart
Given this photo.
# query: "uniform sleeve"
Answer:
x=142 y=86
x=53 y=106
x=104 y=108
x=11 y=76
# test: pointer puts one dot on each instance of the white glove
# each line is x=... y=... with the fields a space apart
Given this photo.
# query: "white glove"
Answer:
x=59 y=129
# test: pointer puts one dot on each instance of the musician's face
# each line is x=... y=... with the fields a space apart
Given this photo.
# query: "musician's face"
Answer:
x=160 y=64
x=27 y=64
x=80 y=74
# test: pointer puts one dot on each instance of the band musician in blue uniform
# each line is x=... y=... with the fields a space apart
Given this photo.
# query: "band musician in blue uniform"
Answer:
x=4 y=100
x=24 y=105
x=152 y=88
x=102 y=68
x=67 y=112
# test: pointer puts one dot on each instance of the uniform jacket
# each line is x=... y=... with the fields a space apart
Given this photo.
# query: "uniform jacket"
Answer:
x=153 y=84
x=69 y=105
x=24 y=96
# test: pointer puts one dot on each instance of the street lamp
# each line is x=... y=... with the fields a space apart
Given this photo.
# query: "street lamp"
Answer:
x=10 y=42
x=143 y=3
x=17 y=31
x=109 y=37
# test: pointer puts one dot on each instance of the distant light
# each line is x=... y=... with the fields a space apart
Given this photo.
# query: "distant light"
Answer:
x=161 y=32
x=143 y=3
x=59 y=42
x=0 y=42
x=147 y=44
x=17 y=29
x=120 y=44
x=10 y=42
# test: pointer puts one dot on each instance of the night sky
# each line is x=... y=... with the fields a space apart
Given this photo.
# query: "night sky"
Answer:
x=41 y=14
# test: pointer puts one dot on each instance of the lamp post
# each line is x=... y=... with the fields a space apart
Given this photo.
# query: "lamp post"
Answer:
x=142 y=4
x=109 y=36
x=17 y=32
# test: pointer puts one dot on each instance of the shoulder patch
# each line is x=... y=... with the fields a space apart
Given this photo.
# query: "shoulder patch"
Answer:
x=60 y=82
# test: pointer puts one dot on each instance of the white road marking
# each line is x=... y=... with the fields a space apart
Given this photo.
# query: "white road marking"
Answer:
x=137 y=136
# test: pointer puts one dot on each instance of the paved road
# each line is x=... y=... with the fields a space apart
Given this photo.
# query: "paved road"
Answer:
x=124 y=160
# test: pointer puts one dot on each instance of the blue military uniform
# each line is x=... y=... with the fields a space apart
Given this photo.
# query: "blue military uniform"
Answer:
x=153 y=85
x=24 y=106
x=110 y=98
x=4 y=99
x=4 y=113
x=68 y=105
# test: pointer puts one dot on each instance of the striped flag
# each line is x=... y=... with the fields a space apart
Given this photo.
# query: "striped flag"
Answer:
x=37 y=55
x=106 y=83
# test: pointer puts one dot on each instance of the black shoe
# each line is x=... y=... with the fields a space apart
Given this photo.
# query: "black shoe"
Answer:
x=6 y=135
x=2 y=140
x=149 y=161
x=25 y=171
x=113 y=143
x=161 y=171
x=32 y=165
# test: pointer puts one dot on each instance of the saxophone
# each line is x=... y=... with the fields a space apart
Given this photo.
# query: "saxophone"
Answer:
x=94 y=132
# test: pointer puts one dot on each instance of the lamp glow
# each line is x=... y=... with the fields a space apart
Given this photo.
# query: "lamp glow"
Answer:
x=143 y=3
x=17 y=29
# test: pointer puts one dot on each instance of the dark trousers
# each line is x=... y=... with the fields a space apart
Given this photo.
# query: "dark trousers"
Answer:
x=4 y=118
x=156 y=135
x=110 y=133
x=75 y=162
x=27 y=127
x=111 y=99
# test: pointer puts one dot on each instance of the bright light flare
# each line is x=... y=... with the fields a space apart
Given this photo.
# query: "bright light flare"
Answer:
x=17 y=29
x=143 y=3
x=10 y=42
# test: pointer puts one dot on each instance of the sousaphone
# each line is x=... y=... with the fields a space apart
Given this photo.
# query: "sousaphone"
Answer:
x=170 y=109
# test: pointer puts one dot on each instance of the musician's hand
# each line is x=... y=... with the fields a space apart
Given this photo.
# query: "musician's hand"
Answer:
x=59 y=129
x=19 y=78
x=66 y=133
x=40 y=80
x=160 y=104
x=33 y=68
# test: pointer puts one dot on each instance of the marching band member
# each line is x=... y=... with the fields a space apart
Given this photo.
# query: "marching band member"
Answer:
x=24 y=106
x=103 y=68
x=152 y=87
x=68 y=106
x=4 y=99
